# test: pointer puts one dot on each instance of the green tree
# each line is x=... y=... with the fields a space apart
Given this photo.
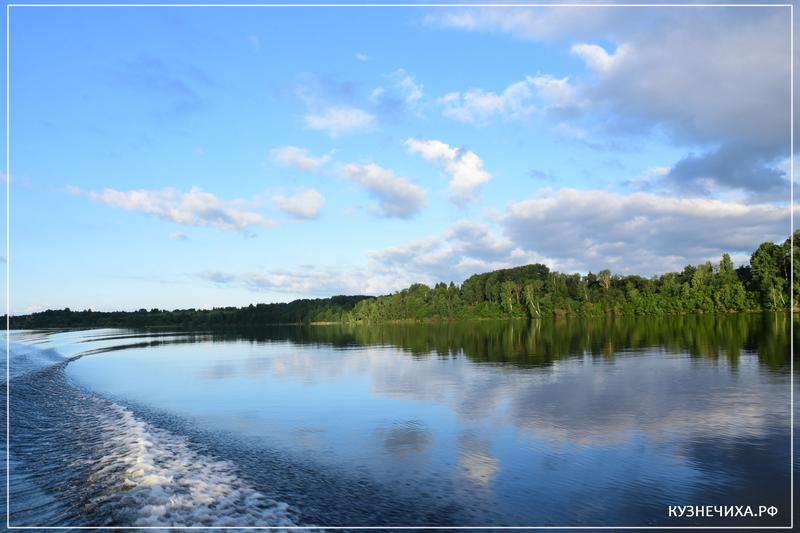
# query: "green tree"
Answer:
x=507 y=295
x=766 y=273
x=531 y=296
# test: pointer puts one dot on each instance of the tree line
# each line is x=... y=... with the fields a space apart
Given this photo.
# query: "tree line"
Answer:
x=334 y=309
x=530 y=291
x=534 y=291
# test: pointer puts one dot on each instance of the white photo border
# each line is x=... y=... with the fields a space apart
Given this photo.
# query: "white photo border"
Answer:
x=400 y=5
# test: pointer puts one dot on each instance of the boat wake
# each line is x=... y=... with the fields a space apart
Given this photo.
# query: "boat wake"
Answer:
x=81 y=460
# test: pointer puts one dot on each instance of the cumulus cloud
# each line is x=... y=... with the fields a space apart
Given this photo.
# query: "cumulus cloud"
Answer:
x=396 y=195
x=464 y=249
x=464 y=167
x=299 y=158
x=715 y=80
x=340 y=120
x=578 y=231
x=568 y=230
x=699 y=78
x=193 y=208
x=304 y=205
x=517 y=101
x=720 y=82
x=597 y=58
x=638 y=233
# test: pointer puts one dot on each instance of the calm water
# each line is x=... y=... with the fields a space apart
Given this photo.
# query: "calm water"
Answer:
x=483 y=423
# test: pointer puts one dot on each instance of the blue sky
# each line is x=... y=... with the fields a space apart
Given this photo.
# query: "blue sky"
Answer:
x=200 y=157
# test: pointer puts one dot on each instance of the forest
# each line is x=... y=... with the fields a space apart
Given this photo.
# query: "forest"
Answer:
x=530 y=291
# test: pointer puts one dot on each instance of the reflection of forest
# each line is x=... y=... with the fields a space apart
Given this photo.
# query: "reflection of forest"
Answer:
x=538 y=342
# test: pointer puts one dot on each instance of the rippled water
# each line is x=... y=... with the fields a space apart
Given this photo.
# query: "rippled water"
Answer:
x=484 y=423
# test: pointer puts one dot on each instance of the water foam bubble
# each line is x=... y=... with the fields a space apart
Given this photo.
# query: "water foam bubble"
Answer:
x=104 y=466
x=151 y=477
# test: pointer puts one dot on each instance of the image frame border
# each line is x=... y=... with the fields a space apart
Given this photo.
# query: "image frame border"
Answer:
x=790 y=7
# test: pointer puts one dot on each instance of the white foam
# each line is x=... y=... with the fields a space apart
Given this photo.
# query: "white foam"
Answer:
x=26 y=359
x=155 y=479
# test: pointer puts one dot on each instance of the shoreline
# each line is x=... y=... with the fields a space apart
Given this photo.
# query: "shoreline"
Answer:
x=399 y=321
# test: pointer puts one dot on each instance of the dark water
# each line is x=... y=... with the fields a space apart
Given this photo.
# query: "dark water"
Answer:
x=560 y=423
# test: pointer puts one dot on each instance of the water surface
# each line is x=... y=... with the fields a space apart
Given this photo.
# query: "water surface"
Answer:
x=571 y=422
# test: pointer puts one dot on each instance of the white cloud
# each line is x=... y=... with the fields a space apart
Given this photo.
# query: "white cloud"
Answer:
x=527 y=23
x=553 y=91
x=254 y=42
x=193 y=208
x=464 y=167
x=340 y=120
x=409 y=87
x=650 y=179
x=309 y=281
x=178 y=236
x=305 y=204
x=638 y=233
x=404 y=94
x=299 y=158
x=597 y=58
x=464 y=249
x=697 y=75
x=569 y=230
x=691 y=70
x=396 y=195
x=362 y=56
x=577 y=231
x=517 y=101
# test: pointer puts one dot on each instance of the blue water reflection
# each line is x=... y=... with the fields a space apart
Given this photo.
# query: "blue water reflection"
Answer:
x=610 y=429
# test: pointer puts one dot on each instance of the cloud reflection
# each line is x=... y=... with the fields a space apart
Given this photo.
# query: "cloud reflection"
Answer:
x=475 y=458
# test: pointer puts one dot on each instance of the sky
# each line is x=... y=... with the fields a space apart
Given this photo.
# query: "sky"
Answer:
x=204 y=157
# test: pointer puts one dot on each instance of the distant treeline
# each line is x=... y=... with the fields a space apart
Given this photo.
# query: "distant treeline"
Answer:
x=535 y=291
x=531 y=291
x=335 y=309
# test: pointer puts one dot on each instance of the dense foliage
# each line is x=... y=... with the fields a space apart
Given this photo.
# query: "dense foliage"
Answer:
x=535 y=291
x=531 y=291
x=333 y=309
